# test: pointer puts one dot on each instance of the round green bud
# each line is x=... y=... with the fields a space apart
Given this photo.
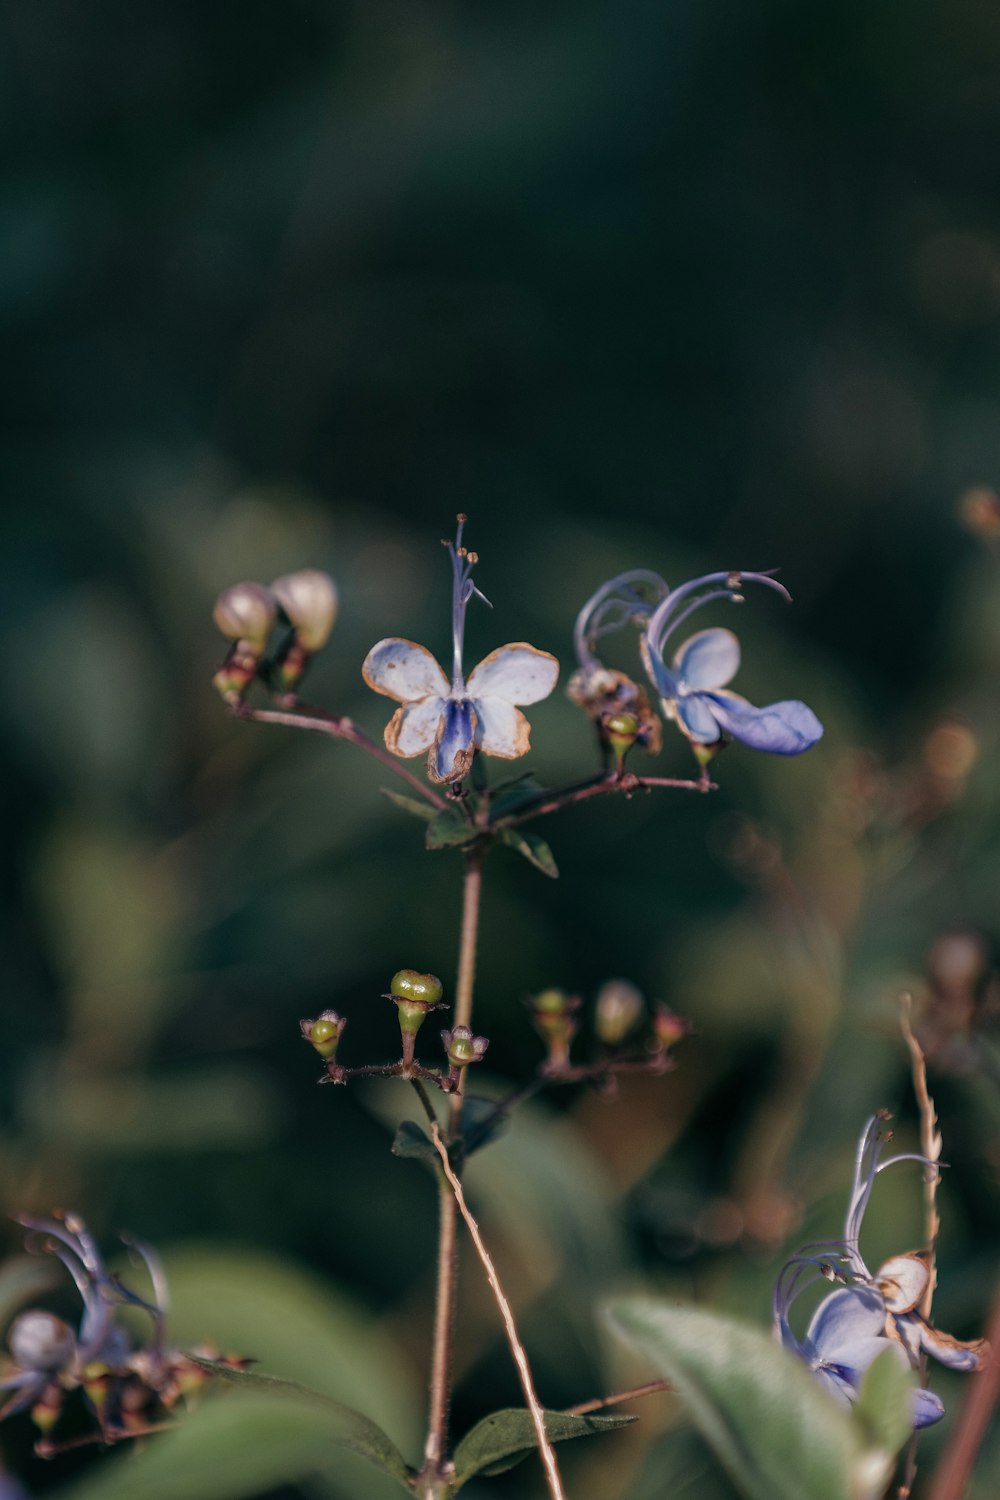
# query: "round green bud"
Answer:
x=551 y=1003
x=424 y=990
x=462 y=1052
x=622 y=726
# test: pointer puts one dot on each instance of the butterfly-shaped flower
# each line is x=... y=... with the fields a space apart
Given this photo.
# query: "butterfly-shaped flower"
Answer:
x=868 y=1313
x=451 y=720
x=693 y=688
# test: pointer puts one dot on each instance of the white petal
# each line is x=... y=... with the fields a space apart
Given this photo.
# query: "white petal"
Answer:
x=709 y=659
x=404 y=671
x=412 y=728
x=517 y=673
x=503 y=729
x=902 y=1280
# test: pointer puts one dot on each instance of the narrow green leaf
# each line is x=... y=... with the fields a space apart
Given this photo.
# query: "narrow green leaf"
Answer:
x=779 y=1435
x=412 y=1141
x=502 y=1439
x=885 y=1401
x=534 y=849
x=425 y=810
x=449 y=830
x=242 y=1444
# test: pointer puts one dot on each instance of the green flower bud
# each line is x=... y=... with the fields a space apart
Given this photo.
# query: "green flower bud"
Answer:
x=324 y=1033
x=619 y=1006
x=621 y=732
x=554 y=1015
x=462 y=1047
x=423 y=989
x=309 y=599
x=246 y=612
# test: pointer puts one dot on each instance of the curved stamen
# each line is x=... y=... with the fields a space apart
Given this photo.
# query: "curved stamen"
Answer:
x=462 y=590
x=664 y=619
x=587 y=627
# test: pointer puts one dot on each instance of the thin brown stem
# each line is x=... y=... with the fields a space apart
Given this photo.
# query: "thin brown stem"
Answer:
x=339 y=729
x=619 y=781
x=552 y=1477
x=599 y=1402
x=435 y=1468
x=951 y=1477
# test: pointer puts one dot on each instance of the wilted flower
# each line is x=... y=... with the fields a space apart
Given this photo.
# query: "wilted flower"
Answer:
x=605 y=694
x=125 y=1386
x=868 y=1313
x=693 y=688
x=453 y=720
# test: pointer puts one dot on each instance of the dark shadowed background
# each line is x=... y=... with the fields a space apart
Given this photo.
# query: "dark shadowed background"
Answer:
x=677 y=285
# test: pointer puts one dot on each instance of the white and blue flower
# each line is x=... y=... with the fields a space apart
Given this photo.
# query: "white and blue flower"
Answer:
x=693 y=688
x=868 y=1313
x=451 y=720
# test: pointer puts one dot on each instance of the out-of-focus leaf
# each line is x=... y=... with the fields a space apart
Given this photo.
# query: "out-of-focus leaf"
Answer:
x=779 y=1435
x=295 y=1327
x=238 y=1445
x=413 y=1142
x=449 y=830
x=503 y=1438
x=534 y=849
x=233 y=1106
x=885 y=1401
x=508 y=796
x=482 y=1123
x=412 y=805
x=352 y=1429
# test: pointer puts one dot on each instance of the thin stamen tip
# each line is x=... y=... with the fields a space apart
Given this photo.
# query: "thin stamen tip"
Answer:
x=734 y=580
x=461 y=518
x=471 y=557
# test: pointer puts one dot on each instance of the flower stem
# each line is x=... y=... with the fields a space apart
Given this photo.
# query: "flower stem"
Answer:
x=339 y=729
x=552 y=1477
x=434 y=1473
x=598 y=786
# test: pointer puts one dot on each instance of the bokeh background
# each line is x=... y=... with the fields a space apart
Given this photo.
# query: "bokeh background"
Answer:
x=682 y=285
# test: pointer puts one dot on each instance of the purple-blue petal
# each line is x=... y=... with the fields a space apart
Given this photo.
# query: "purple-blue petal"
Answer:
x=697 y=719
x=926 y=1409
x=456 y=739
x=846 y=1321
x=782 y=728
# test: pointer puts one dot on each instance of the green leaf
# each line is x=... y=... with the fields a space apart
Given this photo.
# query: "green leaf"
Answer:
x=413 y=1142
x=534 y=849
x=502 y=1439
x=885 y=1401
x=779 y=1435
x=449 y=830
x=425 y=810
x=242 y=1444
x=294 y=1324
x=508 y=796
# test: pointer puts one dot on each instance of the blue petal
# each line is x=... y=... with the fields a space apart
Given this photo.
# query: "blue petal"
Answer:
x=926 y=1408
x=845 y=1321
x=451 y=756
x=709 y=659
x=697 y=720
x=782 y=728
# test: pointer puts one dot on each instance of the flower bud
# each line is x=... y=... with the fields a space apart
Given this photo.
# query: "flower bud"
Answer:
x=40 y=1341
x=462 y=1047
x=96 y=1381
x=47 y=1409
x=668 y=1028
x=309 y=599
x=414 y=996
x=246 y=612
x=620 y=731
x=619 y=1006
x=324 y=1033
x=554 y=1015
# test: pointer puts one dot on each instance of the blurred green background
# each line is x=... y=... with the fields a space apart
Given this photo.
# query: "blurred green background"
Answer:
x=684 y=285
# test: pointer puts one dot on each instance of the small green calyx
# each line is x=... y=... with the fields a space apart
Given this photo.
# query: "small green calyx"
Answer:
x=412 y=1015
x=424 y=990
x=324 y=1033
